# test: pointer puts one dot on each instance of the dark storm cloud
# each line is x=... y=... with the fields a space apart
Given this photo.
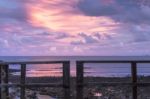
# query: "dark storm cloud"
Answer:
x=130 y=11
x=96 y=8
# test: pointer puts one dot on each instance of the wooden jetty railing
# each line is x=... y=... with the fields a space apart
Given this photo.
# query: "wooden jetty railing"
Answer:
x=4 y=85
x=80 y=76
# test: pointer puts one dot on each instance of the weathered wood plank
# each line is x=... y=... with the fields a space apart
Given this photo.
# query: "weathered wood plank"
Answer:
x=134 y=79
x=66 y=79
x=142 y=84
x=34 y=62
x=80 y=80
x=0 y=80
x=4 y=80
x=23 y=81
x=115 y=61
x=34 y=85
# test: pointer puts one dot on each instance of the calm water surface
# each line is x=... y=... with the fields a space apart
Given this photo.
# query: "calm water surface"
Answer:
x=115 y=69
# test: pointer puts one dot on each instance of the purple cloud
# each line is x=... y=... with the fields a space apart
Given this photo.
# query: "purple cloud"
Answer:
x=94 y=38
x=126 y=11
x=13 y=10
x=19 y=37
x=96 y=8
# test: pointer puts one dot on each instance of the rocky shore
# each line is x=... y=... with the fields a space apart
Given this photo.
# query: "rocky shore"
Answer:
x=90 y=92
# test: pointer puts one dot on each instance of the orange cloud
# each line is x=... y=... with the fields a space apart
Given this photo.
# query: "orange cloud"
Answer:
x=58 y=15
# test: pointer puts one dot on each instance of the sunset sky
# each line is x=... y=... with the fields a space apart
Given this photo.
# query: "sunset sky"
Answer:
x=74 y=27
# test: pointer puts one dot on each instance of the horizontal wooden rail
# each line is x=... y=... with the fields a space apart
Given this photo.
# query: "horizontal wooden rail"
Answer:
x=80 y=84
x=140 y=84
x=33 y=85
x=4 y=86
x=80 y=76
x=32 y=62
x=113 y=61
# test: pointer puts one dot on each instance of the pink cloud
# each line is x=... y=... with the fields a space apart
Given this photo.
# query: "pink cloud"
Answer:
x=59 y=27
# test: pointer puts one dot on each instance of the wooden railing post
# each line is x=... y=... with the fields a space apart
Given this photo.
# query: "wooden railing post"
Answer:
x=66 y=80
x=23 y=81
x=134 y=79
x=4 y=80
x=80 y=81
x=0 y=79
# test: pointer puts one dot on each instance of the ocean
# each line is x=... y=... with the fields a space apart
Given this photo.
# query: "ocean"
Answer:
x=90 y=69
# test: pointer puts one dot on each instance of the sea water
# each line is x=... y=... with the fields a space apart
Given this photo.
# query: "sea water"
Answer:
x=90 y=69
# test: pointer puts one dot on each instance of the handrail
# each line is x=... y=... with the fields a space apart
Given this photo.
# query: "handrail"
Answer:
x=134 y=83
x=4 y=86
x=32 y=62
x=80 y=84
x=114 y=61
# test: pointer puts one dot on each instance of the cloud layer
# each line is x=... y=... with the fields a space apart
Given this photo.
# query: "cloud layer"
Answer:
x=130 y=11
x=77 y=27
